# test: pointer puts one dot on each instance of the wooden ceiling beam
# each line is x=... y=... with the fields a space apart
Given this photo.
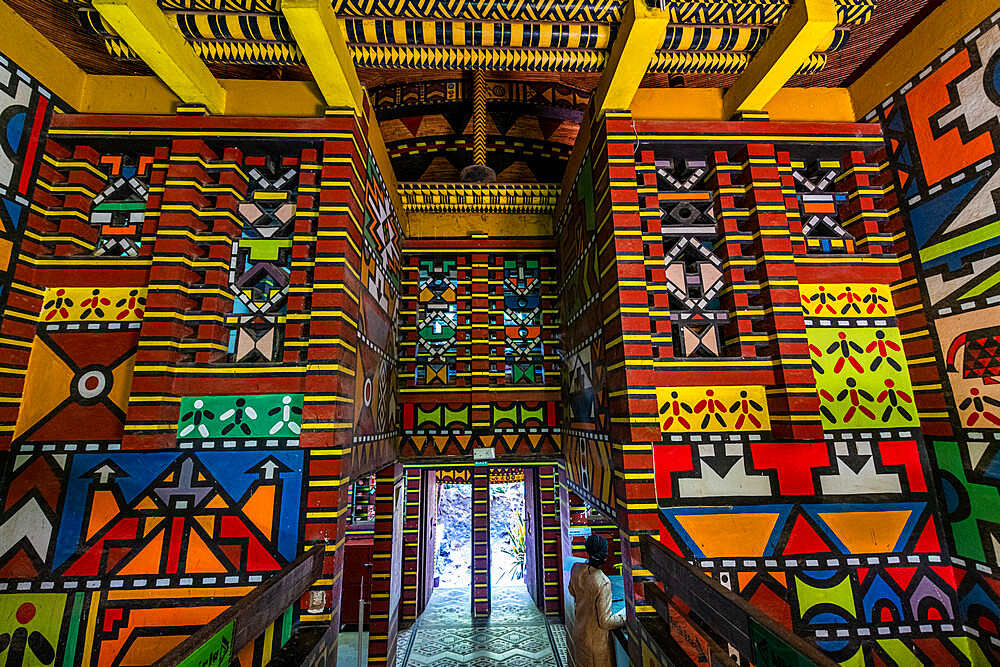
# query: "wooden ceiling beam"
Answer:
x=639 y=36
x=163 y=48
x=803 y=29
x=318 y=34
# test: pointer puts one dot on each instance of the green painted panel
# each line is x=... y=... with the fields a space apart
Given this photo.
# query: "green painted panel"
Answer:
x=39 y=616
x=265 y=249
x=861 y=377
x=771 y=651
x=121 y=206
x=69 y=657
x=286 y=626
x=260 y=416
x=216 y=652
x=982 y=501
x=433 y=415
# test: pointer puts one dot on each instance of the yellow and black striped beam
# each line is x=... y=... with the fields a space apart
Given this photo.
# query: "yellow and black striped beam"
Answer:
x=479 y=119
x=262 y=40
x=718 y=62
x=262 y=28
x=479 y=197
x=718 y=12
x=529 y=60
x=478 y=33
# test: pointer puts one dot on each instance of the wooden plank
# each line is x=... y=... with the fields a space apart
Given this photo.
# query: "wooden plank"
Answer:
x=752 y=632
x=715 y=608
x=684 y=641
x=257 y=610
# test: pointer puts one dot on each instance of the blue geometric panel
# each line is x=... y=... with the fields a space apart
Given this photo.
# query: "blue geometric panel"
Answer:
x=131 y=474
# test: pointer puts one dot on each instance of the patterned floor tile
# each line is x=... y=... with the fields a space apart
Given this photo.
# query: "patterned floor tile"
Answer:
x=515 y=634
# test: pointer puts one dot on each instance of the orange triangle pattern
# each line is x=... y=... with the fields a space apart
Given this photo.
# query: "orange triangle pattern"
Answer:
x=724 y=534
x=46 y=385
x=867 y=532
x=200 y=558
x=259 y=508
x=146 y=560
x=103 y=509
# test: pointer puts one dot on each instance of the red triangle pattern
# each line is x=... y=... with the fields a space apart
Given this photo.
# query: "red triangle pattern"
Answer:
x=981 y=358
x=668 y=541
x=36 y=475
x=549 y=126
x=950 y=574
x=257 y=557
x=805 y=540
x=89 y=563
x=928 y=542
x=64 y=424
x=412 y=123
x=901 y=575
x=19 y=566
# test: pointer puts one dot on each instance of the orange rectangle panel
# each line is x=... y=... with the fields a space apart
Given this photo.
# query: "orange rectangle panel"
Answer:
x=819 y=207
x=155 y=594
x=685 y=196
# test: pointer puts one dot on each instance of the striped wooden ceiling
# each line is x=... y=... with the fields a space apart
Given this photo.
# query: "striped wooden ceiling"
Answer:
x=58 y=20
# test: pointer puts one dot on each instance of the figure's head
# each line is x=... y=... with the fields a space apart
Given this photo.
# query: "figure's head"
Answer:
x=597 y=550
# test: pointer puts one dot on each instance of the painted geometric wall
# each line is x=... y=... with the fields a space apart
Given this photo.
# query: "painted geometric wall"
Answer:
x=768 y=396
x=167 y=450
x=941 y=131
x=25 y=107
x=478 y=364
x=586 y=383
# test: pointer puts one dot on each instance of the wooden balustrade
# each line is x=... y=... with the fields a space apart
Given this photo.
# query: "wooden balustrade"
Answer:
x=221 y=639
x=697 y=615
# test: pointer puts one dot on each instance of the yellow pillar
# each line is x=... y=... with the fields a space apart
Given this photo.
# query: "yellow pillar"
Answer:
x=802 y=30
x=639 y=36
x=321 y=41
x=162 y=46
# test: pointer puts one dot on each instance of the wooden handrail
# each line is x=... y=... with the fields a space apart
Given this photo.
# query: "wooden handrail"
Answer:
x=749 y=630
x=231 y=630
x=670 y=636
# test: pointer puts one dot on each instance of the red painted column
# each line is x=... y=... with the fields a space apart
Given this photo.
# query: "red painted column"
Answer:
x=862 y=213
x=740 y=338
x=911 y=315
x=387 y=566
x=550 y=533
x=303 y=252
x=792 y=401
x=532 y=533
x=412 y=537
x=181 y=261
x=328 y=383
x=481 y=542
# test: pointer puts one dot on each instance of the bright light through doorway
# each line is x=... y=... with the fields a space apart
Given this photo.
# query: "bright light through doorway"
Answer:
x=453 y=562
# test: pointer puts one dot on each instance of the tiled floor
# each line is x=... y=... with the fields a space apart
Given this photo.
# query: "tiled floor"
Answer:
x=515 y=634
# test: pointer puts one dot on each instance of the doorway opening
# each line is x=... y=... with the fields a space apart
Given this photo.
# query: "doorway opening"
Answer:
x=508 y=537
x=453 y=536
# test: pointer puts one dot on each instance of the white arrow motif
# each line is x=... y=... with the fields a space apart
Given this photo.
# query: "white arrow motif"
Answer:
x=270 y=469
x=28 y=522
x=104 y=473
